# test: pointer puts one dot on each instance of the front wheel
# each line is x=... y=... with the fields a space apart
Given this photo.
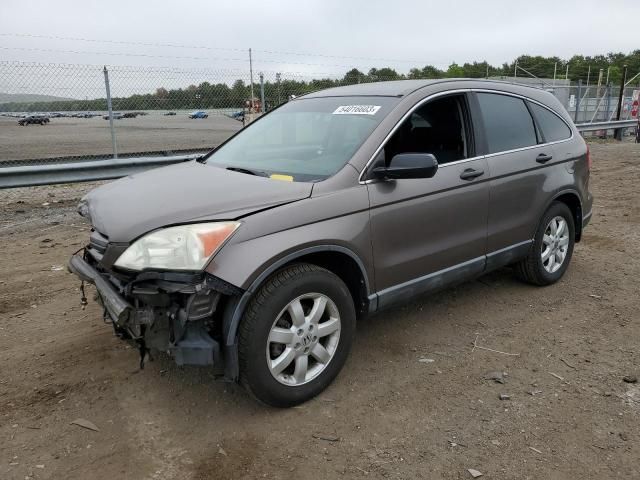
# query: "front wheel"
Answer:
x=296 y=335
x=551 y=249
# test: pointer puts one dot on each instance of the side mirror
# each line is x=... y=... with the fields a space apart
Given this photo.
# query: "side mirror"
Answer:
x=409 y=165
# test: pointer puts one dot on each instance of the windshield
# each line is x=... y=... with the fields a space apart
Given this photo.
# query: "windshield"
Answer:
x=305 y=140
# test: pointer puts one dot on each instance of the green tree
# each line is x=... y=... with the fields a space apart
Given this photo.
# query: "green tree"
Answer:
x=454 y=71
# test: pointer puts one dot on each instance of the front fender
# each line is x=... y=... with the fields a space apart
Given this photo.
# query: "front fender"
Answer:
x=334 y=222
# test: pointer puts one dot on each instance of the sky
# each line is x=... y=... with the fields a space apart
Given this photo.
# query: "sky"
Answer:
x=315 y=36
x=176 y=44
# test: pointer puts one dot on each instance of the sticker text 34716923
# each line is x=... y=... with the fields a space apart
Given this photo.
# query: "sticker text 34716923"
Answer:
x=356 y=110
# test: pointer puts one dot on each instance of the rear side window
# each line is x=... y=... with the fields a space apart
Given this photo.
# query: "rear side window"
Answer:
x=507 y=122
x=553 y=127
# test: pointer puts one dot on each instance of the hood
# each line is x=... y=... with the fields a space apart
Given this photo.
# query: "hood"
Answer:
x=182 y=193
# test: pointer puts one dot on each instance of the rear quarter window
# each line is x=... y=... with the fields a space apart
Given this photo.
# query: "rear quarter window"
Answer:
x=552 y=126
x=507 y=122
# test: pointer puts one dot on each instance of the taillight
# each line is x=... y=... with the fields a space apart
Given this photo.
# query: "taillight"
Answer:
x=588 y=158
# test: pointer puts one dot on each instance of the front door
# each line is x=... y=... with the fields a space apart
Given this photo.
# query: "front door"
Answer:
x=430 y=232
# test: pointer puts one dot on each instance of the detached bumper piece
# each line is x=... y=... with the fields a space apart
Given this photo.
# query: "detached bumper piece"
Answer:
x=175 y=314
x=117 y=307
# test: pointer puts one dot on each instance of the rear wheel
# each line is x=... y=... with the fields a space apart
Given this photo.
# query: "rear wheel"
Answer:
x=296 y=335
x=552 y=247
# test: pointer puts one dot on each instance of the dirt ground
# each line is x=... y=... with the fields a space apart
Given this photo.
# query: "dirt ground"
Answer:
x=92 y=136
x=388 y=414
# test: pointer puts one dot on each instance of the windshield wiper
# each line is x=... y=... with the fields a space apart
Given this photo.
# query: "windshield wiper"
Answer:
x=248 y=171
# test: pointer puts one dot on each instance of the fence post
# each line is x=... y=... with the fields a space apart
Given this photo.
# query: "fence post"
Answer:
x=114 y=145
x=607 y=115
x=263 y=109
x=575 y=116
x=618 y=133
x=251 y=80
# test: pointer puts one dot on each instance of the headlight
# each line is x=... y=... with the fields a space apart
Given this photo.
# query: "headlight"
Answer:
x=186 y=247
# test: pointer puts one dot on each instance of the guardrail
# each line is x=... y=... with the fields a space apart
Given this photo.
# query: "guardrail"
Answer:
x=613 y=125
x=88 y=171
x=94 y=170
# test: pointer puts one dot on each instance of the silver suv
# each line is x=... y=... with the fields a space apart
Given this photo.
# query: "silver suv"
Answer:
x=257 y=259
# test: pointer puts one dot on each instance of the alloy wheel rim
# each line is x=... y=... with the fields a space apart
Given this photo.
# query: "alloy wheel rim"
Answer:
x=555 y=244
x=303 y=339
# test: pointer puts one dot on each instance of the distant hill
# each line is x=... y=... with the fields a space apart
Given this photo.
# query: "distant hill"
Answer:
x=29 y=98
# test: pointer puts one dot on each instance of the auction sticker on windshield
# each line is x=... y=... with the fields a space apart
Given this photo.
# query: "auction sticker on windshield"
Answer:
x=356 y=110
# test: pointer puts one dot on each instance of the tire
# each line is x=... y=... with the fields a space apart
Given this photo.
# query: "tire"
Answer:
x=269 y=309
x=534 y=269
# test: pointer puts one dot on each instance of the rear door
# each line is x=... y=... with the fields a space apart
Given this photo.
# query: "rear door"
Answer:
x=432 y=231
x=516 y=157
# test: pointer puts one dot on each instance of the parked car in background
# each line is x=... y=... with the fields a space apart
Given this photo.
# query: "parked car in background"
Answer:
x=169 y=114
x=116 y=116
x=239 y=115
x=33 y=120
x=257 y=258
x=199 y=114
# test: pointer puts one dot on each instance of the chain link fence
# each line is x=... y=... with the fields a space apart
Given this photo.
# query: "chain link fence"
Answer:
x=52 y=113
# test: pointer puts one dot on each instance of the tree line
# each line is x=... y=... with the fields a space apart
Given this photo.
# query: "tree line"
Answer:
x=233 y=96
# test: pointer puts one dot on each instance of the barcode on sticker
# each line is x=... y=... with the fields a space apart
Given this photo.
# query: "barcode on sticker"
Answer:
x=356 y=110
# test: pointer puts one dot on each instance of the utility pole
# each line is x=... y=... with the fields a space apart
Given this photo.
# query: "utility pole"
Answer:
x=618 y=133
x=555 y=69
x=278 y=82
x=515 y=70
x=251 y=80
x=114 y=146
x=566 y=75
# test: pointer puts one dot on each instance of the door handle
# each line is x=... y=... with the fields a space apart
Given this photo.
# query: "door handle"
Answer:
x=543 y=158
x=471 y=173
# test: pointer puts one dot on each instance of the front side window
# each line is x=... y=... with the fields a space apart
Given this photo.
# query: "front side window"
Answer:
x=553 y=127
x=306 y=139
x=507 y=122
x=438 y=127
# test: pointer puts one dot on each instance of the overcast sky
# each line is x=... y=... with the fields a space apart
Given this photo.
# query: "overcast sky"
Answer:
x=400 y=33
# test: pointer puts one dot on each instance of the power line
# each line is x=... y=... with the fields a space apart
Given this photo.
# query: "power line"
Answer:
x=116 y=42
x=157 y=69
x=244 y=50
x=124 y=54
x=145 y=55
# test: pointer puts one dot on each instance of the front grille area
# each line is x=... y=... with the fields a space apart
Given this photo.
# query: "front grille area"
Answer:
x=98 y=242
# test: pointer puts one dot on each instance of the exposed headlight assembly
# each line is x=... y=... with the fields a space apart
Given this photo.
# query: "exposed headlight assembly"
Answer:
x=185 y=247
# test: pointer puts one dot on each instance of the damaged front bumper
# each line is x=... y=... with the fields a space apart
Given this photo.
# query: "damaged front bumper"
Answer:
x=169 y=312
